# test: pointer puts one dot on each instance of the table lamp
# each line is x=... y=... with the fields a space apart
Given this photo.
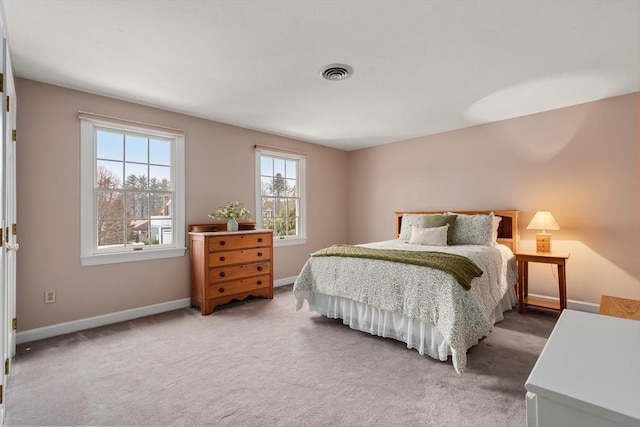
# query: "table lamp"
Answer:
x=543 y=220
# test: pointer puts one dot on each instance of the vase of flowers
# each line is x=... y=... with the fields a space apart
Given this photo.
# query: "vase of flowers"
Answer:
x=232 y=224
x=232 y=211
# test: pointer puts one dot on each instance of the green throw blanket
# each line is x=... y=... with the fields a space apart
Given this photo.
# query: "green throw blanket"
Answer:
x=461 y=268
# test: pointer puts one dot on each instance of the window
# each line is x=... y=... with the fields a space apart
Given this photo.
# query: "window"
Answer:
x=132 y=191
x=280 y=194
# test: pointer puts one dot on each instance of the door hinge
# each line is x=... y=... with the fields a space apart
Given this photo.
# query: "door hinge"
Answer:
x=1 y=82
x=14 y=135
x=1 y=237
x=6 y=236
x=14 y=323
x=14 y=228
x=6 y=366
x=8 y=103
x=1 y=393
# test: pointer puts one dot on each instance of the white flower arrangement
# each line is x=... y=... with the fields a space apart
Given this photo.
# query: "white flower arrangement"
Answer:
x=232 y=210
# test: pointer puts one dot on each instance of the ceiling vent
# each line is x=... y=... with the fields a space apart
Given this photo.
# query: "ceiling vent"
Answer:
x=335 y=72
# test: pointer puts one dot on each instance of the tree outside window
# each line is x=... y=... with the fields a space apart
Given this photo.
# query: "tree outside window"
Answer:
x=280 y=198
x=133 y=211
x=132 y=191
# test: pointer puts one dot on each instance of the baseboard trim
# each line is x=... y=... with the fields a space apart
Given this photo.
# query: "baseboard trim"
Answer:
x=284 y=281
x=107 y=319
x=93 y=322
x=572 y=304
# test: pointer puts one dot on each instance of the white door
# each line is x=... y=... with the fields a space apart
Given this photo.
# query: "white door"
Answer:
x=11 y=227
x=8 y=220
x=5 y=323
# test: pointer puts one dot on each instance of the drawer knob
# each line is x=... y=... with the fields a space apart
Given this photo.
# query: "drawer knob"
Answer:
x=259 y=253
x=222 y=274
x=259 y=239
x=259 y=282
x=221 y=290
x=222 y=258
x=222 y=243
x=259 y=268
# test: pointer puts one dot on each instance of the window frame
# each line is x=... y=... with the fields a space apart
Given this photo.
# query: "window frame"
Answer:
x=89 y=253
x=300 y=158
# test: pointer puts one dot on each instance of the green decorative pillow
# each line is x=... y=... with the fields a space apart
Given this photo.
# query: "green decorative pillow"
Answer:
x=436 y=220
x=427 y=221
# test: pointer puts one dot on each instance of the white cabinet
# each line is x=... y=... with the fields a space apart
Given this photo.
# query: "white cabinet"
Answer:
x=588 y=374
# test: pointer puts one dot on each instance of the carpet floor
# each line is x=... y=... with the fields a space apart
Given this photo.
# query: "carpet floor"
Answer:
x=260 y=363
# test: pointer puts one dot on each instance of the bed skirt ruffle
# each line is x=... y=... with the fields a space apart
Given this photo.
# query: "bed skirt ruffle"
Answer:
x=423 y=337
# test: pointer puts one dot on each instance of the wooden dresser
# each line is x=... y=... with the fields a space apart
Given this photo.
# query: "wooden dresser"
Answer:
x=230 y=265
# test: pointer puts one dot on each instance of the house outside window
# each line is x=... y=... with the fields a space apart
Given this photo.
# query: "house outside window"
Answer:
x=132 y=191
x=280 y=194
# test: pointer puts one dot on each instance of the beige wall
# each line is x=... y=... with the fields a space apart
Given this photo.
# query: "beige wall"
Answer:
x=220 y=167
x=581 y=163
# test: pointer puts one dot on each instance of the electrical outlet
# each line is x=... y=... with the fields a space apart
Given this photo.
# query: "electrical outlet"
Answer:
x=49 y=297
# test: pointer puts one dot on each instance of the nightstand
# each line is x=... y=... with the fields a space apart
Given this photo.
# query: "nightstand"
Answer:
x=523 y=259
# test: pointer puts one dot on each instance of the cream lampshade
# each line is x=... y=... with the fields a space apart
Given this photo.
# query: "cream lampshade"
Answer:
x=543 y=220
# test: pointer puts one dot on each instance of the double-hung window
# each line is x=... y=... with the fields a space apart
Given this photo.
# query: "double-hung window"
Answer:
x=280 y=194
x=132 y=191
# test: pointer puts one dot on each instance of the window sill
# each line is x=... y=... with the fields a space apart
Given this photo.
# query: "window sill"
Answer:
x=119 y=257
x=289 y=242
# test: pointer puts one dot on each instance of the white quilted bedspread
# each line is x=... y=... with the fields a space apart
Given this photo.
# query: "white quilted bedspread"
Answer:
x=430 y=295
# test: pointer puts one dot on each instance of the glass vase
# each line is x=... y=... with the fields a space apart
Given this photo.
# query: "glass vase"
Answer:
x=232 y=225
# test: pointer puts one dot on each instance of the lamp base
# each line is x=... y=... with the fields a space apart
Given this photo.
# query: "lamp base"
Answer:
x=543 y=242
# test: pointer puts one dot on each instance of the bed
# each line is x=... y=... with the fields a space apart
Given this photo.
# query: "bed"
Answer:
x=424 y=305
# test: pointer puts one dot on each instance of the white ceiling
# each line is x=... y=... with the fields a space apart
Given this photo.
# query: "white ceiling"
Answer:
x=420 y=67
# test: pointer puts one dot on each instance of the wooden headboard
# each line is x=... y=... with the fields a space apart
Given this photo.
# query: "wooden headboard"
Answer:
x=508 y=231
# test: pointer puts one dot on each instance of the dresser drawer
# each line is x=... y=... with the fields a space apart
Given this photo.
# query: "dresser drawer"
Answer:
x=239 y=241
x=220 y=274
x=217 y=259
x=239 y=285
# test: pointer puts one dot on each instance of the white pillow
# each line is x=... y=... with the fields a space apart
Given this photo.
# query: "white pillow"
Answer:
x=494 y=232
x=434 y=236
